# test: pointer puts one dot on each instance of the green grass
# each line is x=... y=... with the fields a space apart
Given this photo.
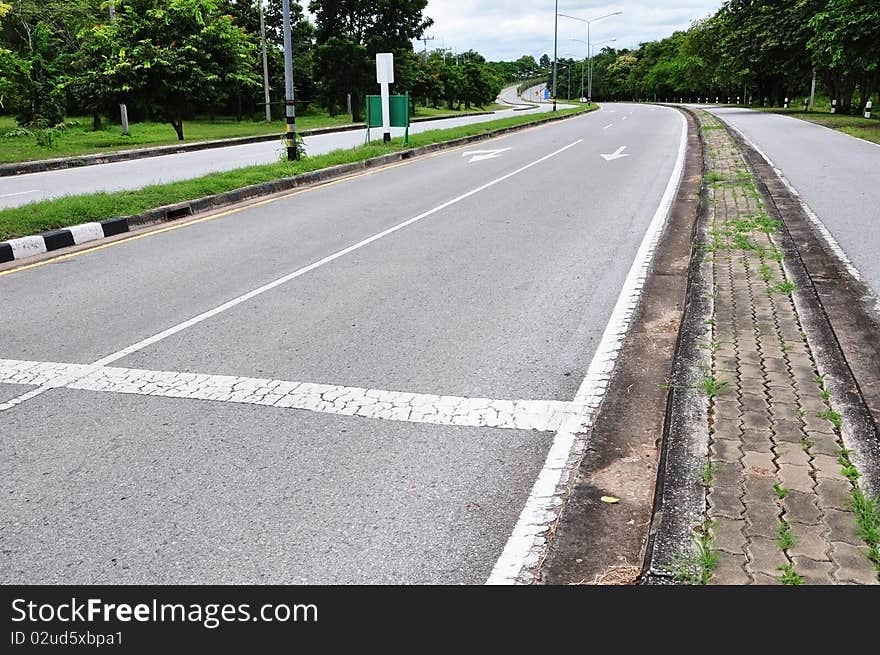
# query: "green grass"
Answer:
x=713 y=387
x=61 y=212
x=696 y=567
x=784 y=537
x=830 y=415
x=789 y=576
x=707 y=474
x=780 y=491
x=78 y=138
x=857 y=126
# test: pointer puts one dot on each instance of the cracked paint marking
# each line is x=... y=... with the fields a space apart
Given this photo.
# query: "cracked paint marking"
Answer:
x=538 y=415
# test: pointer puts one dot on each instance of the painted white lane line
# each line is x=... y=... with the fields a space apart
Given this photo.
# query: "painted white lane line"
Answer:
x=17 y=193
x=180 y=327
x=607 y=126
x=526 y=545
x=538 y=415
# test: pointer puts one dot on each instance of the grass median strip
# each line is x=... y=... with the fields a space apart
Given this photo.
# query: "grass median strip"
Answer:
x=62 y=212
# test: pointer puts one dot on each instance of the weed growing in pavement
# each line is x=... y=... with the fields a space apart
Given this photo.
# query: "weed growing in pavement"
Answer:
x=777 y=255
x=867 y=514
x=742 y=242
x=830 y=415
x=696 y=567
x=780 y=491
x=707 y=474
x=713 y=387
x=820 y=379
x=806 y=443
x=766 y=273
x=789 y=576
x=714 y=177
x=847 y=468
x=766 y=224
x=786 y=288
x=784 y=537
x=826 y=395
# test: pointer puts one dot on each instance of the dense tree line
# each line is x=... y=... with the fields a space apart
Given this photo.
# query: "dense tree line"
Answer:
x=754 y=49
x=171 y=60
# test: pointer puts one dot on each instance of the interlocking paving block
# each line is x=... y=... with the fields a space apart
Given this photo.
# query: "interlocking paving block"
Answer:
x=784 y=411
x=791 y=453
x=810 y=541
x=752 y=420
x=834 y=494
x=788 y=431
x=758 y=463
x=842 y=527
x=827 y=467
x=726 y=407
x=730 y=570
x=764 y=579
x=725 y=502
x=813 y=572
x=729 y=535
x=726 y=450
x=727 y=429
x=762 y=520
x=801 y=508
x=759 y=489
x=823 y=444
x=797 y=478
x=855 y=567
x=764 y=556
x=757 y=440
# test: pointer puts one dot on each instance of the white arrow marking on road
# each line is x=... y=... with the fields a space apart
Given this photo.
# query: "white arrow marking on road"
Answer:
x=480 y=155
x=618 y=154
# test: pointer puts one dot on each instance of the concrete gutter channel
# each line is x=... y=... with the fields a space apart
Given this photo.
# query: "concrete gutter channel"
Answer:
x=44 y=165
x=842 y=327
x=15 y=250
x=600 y=543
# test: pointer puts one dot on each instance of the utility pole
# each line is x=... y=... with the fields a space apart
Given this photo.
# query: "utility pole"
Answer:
x=265 y=66
x=123 y=110
x=289 y=107
x=425 y=40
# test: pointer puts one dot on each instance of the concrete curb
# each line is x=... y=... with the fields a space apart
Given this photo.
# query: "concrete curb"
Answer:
x=16 y=249
x=55 y=239
x=44 y=165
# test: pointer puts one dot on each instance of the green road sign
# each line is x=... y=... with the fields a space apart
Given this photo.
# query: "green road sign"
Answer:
x=399 y=109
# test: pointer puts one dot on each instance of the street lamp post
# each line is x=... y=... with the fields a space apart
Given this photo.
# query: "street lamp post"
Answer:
x=587 y=22
x=590 y=58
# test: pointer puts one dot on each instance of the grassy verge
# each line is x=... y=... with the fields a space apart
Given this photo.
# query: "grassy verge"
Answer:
x=61 y=212
x=857 y=126
x=80 y=139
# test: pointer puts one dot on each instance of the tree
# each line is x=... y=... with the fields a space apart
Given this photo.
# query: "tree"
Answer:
x=546 y=62
x=360 y=29
x=168 y=55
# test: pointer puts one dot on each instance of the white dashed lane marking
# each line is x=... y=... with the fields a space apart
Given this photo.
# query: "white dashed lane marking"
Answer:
x=538 y=415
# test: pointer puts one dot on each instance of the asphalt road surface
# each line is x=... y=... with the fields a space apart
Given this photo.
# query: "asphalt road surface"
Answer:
x=117 y=176
x=835 y=174
x=357 y=383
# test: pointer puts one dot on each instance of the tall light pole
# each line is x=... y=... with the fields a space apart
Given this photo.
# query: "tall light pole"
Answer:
x=555 y=43
x=289 y=107
x=588 y=22
x=590 y=56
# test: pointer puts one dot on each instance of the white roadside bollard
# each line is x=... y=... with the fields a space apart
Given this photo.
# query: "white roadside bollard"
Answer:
x=868 y=109
x=806 y=104
x=834 y=106
x=786 y=103
x=716 y=100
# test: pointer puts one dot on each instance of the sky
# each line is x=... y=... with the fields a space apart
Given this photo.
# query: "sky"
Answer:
x=506 y=30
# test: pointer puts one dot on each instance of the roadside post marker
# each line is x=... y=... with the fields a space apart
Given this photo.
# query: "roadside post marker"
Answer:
x=786 y=103
x=385 y=76
x=834 y=106
x=868 y=109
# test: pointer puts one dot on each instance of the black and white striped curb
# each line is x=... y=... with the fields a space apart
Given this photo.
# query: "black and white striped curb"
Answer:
x=69 y=236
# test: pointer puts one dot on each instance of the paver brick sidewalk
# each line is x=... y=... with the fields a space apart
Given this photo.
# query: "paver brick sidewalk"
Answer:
x=778 y=502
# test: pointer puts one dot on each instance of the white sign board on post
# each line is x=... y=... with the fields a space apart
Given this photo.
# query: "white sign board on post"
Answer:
x=385 y=76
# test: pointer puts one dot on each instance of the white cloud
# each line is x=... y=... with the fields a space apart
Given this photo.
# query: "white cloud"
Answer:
x=504 y=30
